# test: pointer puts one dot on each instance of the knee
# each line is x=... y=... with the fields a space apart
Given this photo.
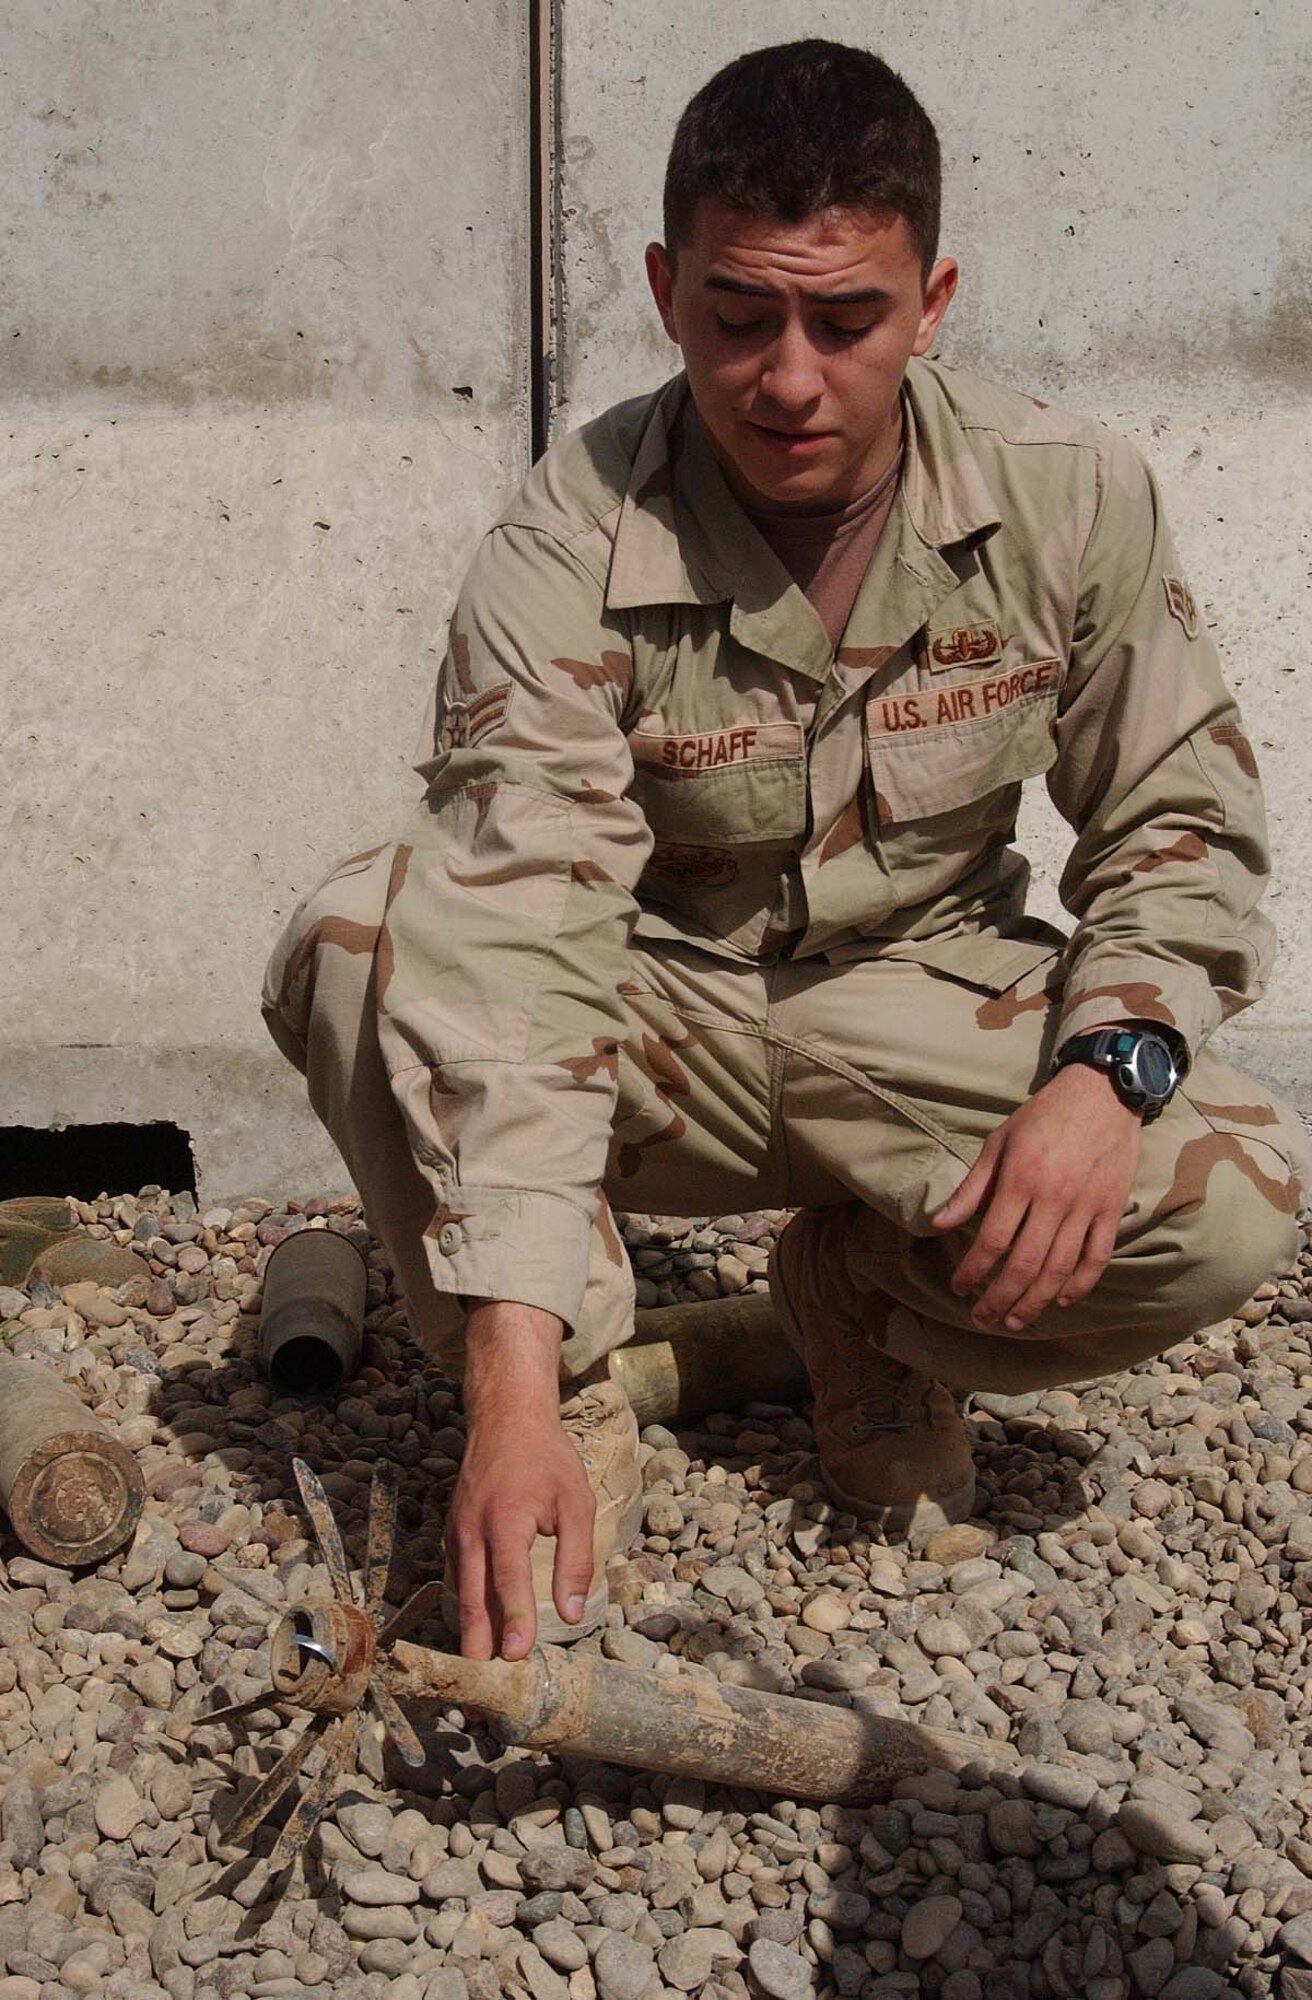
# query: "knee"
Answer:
x=344 y=915
x=1233 y=1245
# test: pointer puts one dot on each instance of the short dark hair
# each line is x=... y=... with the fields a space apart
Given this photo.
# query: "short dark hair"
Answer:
x=804 y=126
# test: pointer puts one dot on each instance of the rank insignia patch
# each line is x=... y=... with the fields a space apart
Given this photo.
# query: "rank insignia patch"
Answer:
x=1180 y=604
x=468 y=721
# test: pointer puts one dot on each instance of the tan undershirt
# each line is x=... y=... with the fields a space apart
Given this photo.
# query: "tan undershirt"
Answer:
x=827 y=555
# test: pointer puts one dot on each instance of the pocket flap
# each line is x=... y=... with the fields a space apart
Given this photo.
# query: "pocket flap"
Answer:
x=744 y=786
x=984 y=958
x=931 y=752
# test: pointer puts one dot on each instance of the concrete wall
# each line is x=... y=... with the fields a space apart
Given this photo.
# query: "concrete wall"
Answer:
x=264 y=354
x=1126 y=193
x=263 y=379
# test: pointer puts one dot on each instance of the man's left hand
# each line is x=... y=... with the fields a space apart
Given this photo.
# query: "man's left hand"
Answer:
x=1053 y=1182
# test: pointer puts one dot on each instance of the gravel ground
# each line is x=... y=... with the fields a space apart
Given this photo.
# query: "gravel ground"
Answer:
x=1129 y=1608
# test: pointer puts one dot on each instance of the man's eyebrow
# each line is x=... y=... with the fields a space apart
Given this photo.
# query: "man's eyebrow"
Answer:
x=871 y=295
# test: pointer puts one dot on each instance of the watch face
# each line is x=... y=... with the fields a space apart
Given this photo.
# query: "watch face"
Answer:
x=1156 y=1071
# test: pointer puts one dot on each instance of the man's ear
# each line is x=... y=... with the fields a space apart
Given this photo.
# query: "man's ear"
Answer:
x=660 y=276
x=942 y=283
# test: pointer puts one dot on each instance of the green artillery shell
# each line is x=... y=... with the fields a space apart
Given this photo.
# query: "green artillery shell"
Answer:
x=72 y=1492
x=312 y=1319
x=686 y=1359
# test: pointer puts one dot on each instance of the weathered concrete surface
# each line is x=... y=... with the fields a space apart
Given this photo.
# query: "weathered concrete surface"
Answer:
x=1123 y=192
x=1123 y=185
x=318 y=204
x=251 y=1129
x=221 y=633
x=263 y=382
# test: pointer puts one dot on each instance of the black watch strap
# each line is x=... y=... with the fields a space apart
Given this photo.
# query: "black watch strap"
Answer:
x=1139 y=1060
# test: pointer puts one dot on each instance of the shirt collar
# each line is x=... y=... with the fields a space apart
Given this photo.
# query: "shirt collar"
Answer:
x=683 y=538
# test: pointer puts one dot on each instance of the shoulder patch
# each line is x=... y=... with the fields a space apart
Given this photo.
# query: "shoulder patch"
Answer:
x=1180 y=604
x=467 y=722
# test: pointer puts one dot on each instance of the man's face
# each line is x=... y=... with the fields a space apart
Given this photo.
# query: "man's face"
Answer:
x=795 y=337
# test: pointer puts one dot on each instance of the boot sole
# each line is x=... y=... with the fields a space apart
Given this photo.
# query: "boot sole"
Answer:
x=912 y=1519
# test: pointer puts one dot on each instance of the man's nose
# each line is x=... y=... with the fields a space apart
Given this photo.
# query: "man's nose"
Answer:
x=791 y=376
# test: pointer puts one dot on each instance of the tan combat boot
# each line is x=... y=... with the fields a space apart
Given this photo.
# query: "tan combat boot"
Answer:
x=893 y=1448
x=599 y=1422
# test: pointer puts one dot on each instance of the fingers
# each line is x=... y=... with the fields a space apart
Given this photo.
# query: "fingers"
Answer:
x=1054 y=1275
x=571 y=1576
x=467 y=1573
x=1099 y=1245
x=512 y=1588
x=1028 y=1244
x=1002 y=1219
x=488 y=1565
x=962 y=1205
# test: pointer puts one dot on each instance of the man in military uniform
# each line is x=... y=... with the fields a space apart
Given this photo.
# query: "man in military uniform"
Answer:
x=710 y=901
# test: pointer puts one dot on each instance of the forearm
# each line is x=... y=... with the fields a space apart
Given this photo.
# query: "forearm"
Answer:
x=512 y=1366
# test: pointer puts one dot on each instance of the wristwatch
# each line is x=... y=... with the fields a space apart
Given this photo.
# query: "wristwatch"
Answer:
x=1144 y=1063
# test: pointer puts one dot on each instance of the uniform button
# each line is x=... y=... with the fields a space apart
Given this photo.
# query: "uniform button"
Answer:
x=449 y=1238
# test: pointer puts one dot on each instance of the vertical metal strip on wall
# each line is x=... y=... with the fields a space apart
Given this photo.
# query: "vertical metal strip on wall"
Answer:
x=545 y=222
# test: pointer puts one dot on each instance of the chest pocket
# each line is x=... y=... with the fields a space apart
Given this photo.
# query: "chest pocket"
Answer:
x=733 y=787
x=934 y=750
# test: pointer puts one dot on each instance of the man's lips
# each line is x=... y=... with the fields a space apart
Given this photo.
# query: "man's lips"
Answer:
x=782 y=440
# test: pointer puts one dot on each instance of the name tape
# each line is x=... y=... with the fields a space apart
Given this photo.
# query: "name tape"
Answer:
x=713 y=749
x=969 y=701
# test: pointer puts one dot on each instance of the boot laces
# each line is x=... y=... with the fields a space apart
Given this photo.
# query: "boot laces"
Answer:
x=889 y=1406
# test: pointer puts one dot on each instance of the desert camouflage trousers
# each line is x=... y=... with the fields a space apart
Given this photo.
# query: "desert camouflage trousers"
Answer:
x=871 y=1084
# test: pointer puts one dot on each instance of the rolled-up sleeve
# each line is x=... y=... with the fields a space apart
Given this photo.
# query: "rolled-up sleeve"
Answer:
x=505 y=941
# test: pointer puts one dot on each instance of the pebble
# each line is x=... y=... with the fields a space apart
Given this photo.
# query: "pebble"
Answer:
x=20 y=1816
x=960 y=1543
x=929 y=1924
x=622 y=1967
x=560 y=1944
x=1296 y=1936
x=203 y=1539
x=690 y=1957
x=943 y=1637
x=1154 y=1830
x=376 y=1889
x=391 y=1921
x=1011 y=1828
x=172 y=1792
x=1057 y=1786
x=543 y=1982
x=555 y=1866
x=826 y=1613
x=367 y=1827
x=684 y=1803
x=782 y=1974
x=1145 y=1647
x=736 y=1586
x=118 y=1808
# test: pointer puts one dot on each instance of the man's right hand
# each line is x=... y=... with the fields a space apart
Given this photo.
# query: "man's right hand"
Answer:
x=521 y=1478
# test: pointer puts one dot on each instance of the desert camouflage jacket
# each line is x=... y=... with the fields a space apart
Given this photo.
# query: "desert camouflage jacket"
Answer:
x=640 y=725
